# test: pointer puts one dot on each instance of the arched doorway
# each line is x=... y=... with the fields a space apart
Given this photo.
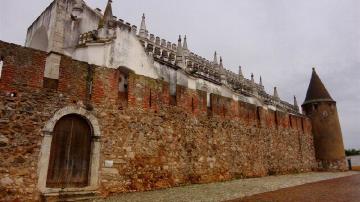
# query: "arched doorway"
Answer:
x=49 y=134
x=69 y=163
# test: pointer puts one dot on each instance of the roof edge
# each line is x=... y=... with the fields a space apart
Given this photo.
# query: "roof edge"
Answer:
x=318 y=100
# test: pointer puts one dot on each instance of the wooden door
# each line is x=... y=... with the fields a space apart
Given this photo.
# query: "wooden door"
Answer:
x=70 y=153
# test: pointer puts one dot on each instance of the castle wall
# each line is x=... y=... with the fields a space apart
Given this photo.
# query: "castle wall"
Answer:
x=152 y=142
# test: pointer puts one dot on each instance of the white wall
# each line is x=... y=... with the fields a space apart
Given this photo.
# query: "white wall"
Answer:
x=57 y=19
x=44 y=23
x=355 y=160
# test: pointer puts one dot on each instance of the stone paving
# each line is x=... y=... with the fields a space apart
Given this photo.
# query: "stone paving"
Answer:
x=227 y=190
x=344 y=189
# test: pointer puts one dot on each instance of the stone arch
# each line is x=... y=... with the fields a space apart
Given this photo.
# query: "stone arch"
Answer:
x=40 y=39
x=49 y=126
x=44 y=158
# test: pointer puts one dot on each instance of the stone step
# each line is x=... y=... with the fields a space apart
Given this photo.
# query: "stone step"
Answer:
x=72 y=196
x=80 y=198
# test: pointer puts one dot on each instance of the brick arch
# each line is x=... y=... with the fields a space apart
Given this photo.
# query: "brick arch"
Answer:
x=44 y=158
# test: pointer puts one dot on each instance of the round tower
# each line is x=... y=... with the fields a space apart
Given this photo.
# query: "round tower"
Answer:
x=321 y=109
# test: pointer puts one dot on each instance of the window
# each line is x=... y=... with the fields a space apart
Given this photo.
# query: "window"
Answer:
x=258 y=115
x=192 y=105
x=123 y=83
x=150 y=103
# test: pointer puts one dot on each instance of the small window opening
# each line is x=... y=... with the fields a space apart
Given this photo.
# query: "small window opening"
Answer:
x=192 y=105
x=90 y=89
x=315 y=106
x=258 y=114
x=123 y=84
x=150 y=103
x=122 y=90
x=302 y=124
x=276 y=119
x=89 y=83
x=208 y=103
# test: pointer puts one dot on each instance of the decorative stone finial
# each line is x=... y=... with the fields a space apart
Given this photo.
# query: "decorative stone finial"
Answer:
x=295 y=102
x=185 y=46
x=240 y=71
x=142 y=31
x=276 y=95
x=261 y=83
x=215 y=58
x=221 y=63
x=179 y=54
x=108 y=16
x=252 y=78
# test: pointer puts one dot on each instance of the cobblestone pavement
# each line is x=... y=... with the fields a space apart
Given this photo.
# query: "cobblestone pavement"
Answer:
x=227 y=190
x=346 y=189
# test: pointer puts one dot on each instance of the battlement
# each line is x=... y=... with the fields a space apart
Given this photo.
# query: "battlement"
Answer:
x=98 y=36
x=168 y=53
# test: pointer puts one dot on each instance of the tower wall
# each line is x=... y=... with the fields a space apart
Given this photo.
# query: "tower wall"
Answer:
x=328 y=142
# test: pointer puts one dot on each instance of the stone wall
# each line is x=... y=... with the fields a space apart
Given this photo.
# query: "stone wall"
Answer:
x=153 y=142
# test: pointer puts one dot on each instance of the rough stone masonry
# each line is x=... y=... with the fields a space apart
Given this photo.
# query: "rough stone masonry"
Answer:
x=150 y=143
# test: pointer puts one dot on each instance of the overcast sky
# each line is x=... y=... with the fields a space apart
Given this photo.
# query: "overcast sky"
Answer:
x=281 y=40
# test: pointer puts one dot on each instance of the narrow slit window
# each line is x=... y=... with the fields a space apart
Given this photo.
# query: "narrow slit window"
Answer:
x=276 y=119
x=150 y=103
x=302 y=125
x=192 y=105
x=258 y=114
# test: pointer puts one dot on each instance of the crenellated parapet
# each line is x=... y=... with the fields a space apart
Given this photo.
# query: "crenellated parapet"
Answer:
x=179 y=57
x=102 y=35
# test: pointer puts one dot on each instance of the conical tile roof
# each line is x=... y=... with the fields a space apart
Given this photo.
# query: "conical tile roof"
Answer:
x=316 y=91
